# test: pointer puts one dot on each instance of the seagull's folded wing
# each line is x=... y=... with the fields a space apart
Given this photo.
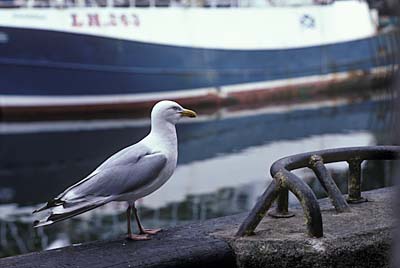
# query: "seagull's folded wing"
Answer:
x=120 y=178
x=104 y=185
x=127 y=171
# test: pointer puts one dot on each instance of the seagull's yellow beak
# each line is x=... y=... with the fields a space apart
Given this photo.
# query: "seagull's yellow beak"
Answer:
x=188 y=113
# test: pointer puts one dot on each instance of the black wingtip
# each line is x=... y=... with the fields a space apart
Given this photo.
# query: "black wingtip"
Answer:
x=49 y=204
x=41 y=208
x=38 y=209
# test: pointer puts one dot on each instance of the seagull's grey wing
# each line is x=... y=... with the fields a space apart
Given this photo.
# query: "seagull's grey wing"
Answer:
x=129 y=155
x=121 y=177
x=127 y=172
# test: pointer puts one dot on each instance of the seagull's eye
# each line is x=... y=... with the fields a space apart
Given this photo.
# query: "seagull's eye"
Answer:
x=175 y=108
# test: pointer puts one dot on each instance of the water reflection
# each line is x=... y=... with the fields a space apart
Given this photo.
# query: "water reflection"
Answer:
x=223 y=165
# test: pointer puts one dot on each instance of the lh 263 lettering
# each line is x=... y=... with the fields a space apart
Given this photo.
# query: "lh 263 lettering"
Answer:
x=104 y=20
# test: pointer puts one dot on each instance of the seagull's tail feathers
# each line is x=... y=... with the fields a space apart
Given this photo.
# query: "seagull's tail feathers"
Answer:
x=67 y=210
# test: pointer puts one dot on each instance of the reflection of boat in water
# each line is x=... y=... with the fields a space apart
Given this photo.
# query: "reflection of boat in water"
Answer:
x=66 y=155
x=78 y=56
x=223 y=164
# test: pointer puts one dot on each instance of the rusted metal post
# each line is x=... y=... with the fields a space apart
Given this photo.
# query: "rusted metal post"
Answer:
x=354 y=182
x=282 y=205
x=259 y=210
x=326 y=180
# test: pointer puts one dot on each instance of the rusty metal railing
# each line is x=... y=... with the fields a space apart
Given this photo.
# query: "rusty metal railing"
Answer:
x=285 y=181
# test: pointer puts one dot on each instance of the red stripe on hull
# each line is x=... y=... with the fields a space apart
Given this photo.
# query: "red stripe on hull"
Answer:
x=356 y=85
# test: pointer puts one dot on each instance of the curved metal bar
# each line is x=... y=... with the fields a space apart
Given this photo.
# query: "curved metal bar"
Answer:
x=259 y=210
x=284 y=179
x=308 y=201
x=337 y=155
x=326 y=180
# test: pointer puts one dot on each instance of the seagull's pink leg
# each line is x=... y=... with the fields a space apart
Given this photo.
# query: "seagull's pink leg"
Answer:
x=141 y=229
x=130 y=235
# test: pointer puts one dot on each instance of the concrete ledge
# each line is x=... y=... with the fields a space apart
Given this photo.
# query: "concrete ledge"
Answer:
x=188 y=246
x=360 y=238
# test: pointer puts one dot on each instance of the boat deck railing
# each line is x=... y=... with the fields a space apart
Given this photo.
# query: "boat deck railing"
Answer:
x=156 y=3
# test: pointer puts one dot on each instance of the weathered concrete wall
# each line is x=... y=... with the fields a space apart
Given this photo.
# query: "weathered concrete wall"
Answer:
x=360 y=238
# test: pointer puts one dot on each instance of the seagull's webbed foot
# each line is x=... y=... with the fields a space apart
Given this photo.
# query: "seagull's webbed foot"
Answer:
x=138 y=237
x=150 y=231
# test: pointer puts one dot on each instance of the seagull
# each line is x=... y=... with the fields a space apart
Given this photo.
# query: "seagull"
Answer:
x=128 y=175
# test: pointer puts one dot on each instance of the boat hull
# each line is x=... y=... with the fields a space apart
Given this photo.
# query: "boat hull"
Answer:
x=71 y=69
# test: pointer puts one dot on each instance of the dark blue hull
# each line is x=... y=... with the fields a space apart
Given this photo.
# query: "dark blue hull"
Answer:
x=39 y=62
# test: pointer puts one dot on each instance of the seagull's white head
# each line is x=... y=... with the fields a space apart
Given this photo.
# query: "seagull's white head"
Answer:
x=170 y=111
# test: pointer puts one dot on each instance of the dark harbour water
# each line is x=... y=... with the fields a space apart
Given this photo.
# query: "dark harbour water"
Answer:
x=223 y=165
